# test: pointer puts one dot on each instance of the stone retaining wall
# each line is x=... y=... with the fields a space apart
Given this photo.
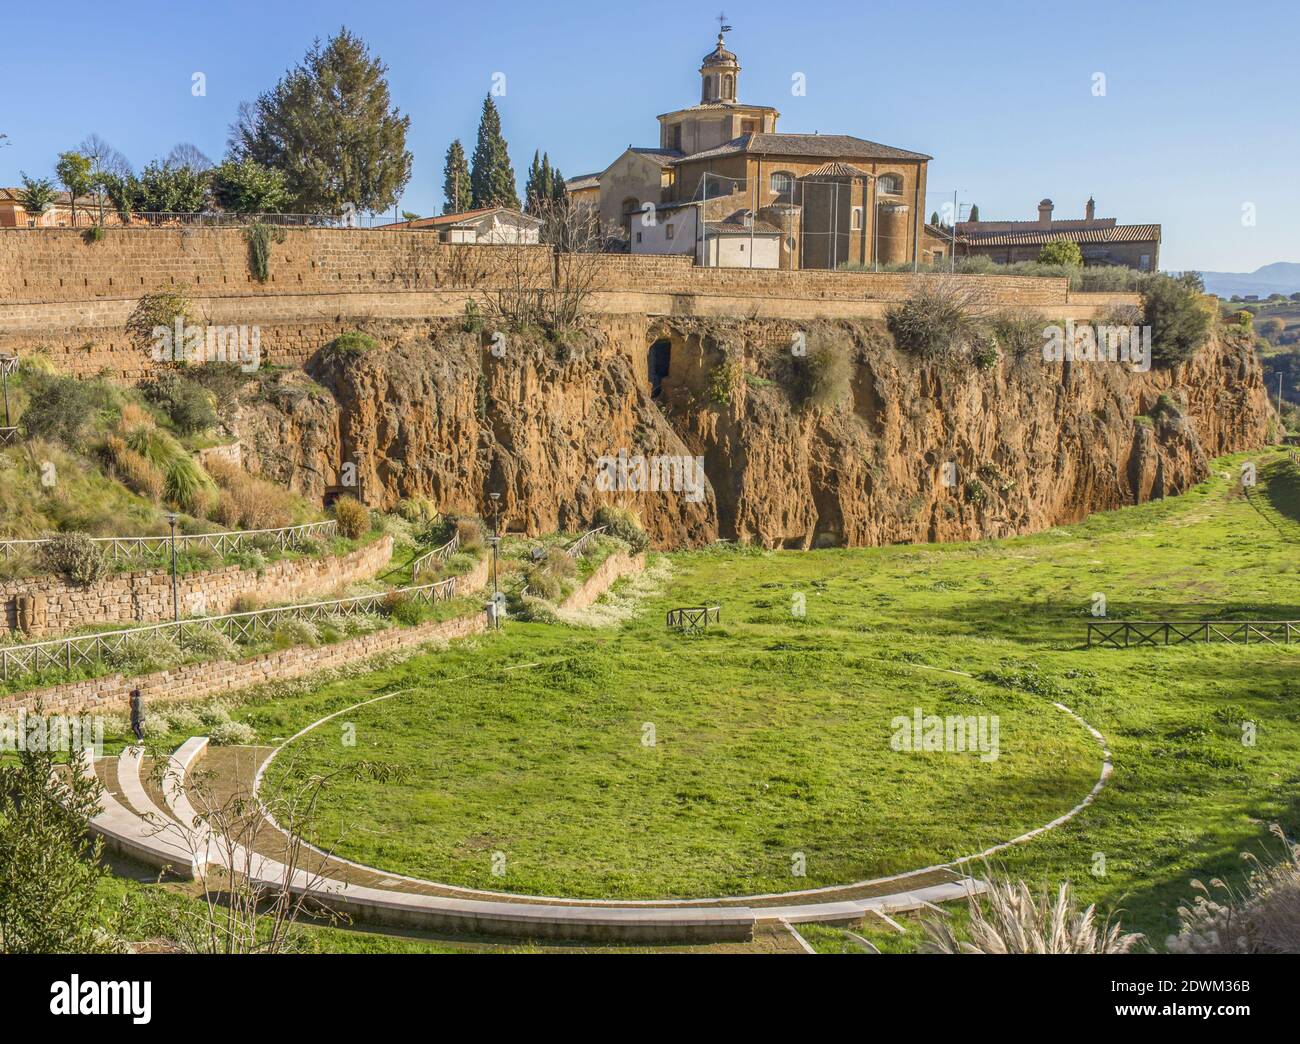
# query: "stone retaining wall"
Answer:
x=616 y=565
x=57 y=605
x=199 y=680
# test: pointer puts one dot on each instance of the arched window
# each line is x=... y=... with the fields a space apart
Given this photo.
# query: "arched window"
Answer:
x=728 y=87
x=782 y=185
x=891 y=184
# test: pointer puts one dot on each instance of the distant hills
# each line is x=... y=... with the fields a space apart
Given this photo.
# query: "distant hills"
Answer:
x=1281 y=277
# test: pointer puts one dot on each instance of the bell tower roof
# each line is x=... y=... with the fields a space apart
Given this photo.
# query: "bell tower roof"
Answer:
x=719 y=73
x=720 y=55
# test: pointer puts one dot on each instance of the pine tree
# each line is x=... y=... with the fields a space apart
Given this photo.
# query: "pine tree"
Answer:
x=934 y=218
x=330 y=128
x=492 y=178
x=974 y=212
x=456 y=192
x=558 y=191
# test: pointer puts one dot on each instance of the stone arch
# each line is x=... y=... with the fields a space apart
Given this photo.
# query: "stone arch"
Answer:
x=658 y=364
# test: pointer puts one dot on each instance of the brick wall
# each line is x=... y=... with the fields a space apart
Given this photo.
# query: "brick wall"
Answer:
x=71 y=298
x=146 y=596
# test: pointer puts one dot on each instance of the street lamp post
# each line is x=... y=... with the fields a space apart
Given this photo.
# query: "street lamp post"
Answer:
x=496 y=540
x=4 y=376
x=176 y=602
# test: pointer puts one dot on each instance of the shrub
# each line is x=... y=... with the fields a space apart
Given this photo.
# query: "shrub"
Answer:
x=350 y=345
x=61 y=408
x=417 y=509
x=724 y=379
x=1178 y=317
x=1020 y=334
x=936 y=320
x=213 y=714
x=623 y=524
x=76 y=556
x=1061 y=252
x=133 y=470
x=248 y=502
x=1009 y=918
x=1271 y=329
x=161 y=308
x=353 y=517
x=984 y=351
x=976 y=492
x=294 y=632
x=187 y=403
x=542 y=584
x=470 y=531
x=245 y=603
x=180 y=719
x=559 y=563
x=824 y=376
x=222 y=379
x=211 y=645
x=145 y=655
x=233 y=733
x=156 y=446
x=187 y=486
x=404 y=609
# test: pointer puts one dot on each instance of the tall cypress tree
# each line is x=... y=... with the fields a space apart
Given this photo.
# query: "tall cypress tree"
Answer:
x=535 y=189
x=492 y=178
x=558 y=191
x=456 y=193
x=548 y=176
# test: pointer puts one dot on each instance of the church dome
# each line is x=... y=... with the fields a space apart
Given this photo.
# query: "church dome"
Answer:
x=720 y=55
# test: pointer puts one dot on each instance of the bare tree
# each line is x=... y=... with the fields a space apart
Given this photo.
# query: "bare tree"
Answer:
x=106 y=163
x=551 y=287
x=189 y=155
x=259 y=878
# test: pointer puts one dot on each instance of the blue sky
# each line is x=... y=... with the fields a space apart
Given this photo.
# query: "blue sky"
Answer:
x=1197 y=119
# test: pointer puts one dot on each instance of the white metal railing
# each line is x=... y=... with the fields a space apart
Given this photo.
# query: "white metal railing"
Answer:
x=91 y=649
x=439 y=554
x=580 y=545
x=121 y=547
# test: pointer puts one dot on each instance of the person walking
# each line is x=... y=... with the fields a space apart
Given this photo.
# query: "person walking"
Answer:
x=137 y=714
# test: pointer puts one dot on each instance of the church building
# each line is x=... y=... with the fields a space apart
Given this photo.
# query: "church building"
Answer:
x=729 y=188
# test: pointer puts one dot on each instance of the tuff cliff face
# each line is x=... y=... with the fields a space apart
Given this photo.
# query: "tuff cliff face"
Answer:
x=918 y=451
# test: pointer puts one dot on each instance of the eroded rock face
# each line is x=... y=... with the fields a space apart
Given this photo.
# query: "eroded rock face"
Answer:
x=435 y=413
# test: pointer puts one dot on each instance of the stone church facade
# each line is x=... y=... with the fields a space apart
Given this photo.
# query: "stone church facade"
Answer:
x=725 y=185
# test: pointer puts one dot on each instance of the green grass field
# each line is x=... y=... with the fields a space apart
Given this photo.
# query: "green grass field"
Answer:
x=772 y=731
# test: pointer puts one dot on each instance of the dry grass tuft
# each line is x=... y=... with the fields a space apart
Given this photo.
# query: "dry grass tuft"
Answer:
x=1262 y=916
x=1010 y=918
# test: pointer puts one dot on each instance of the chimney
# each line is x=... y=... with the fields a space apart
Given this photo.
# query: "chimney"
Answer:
x=1090 y=209
x=1045 y=213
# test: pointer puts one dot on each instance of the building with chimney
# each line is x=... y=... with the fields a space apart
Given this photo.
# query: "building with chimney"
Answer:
x=1102 y=241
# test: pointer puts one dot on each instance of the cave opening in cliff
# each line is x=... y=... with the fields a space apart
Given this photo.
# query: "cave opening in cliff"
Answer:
x=657 y=362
